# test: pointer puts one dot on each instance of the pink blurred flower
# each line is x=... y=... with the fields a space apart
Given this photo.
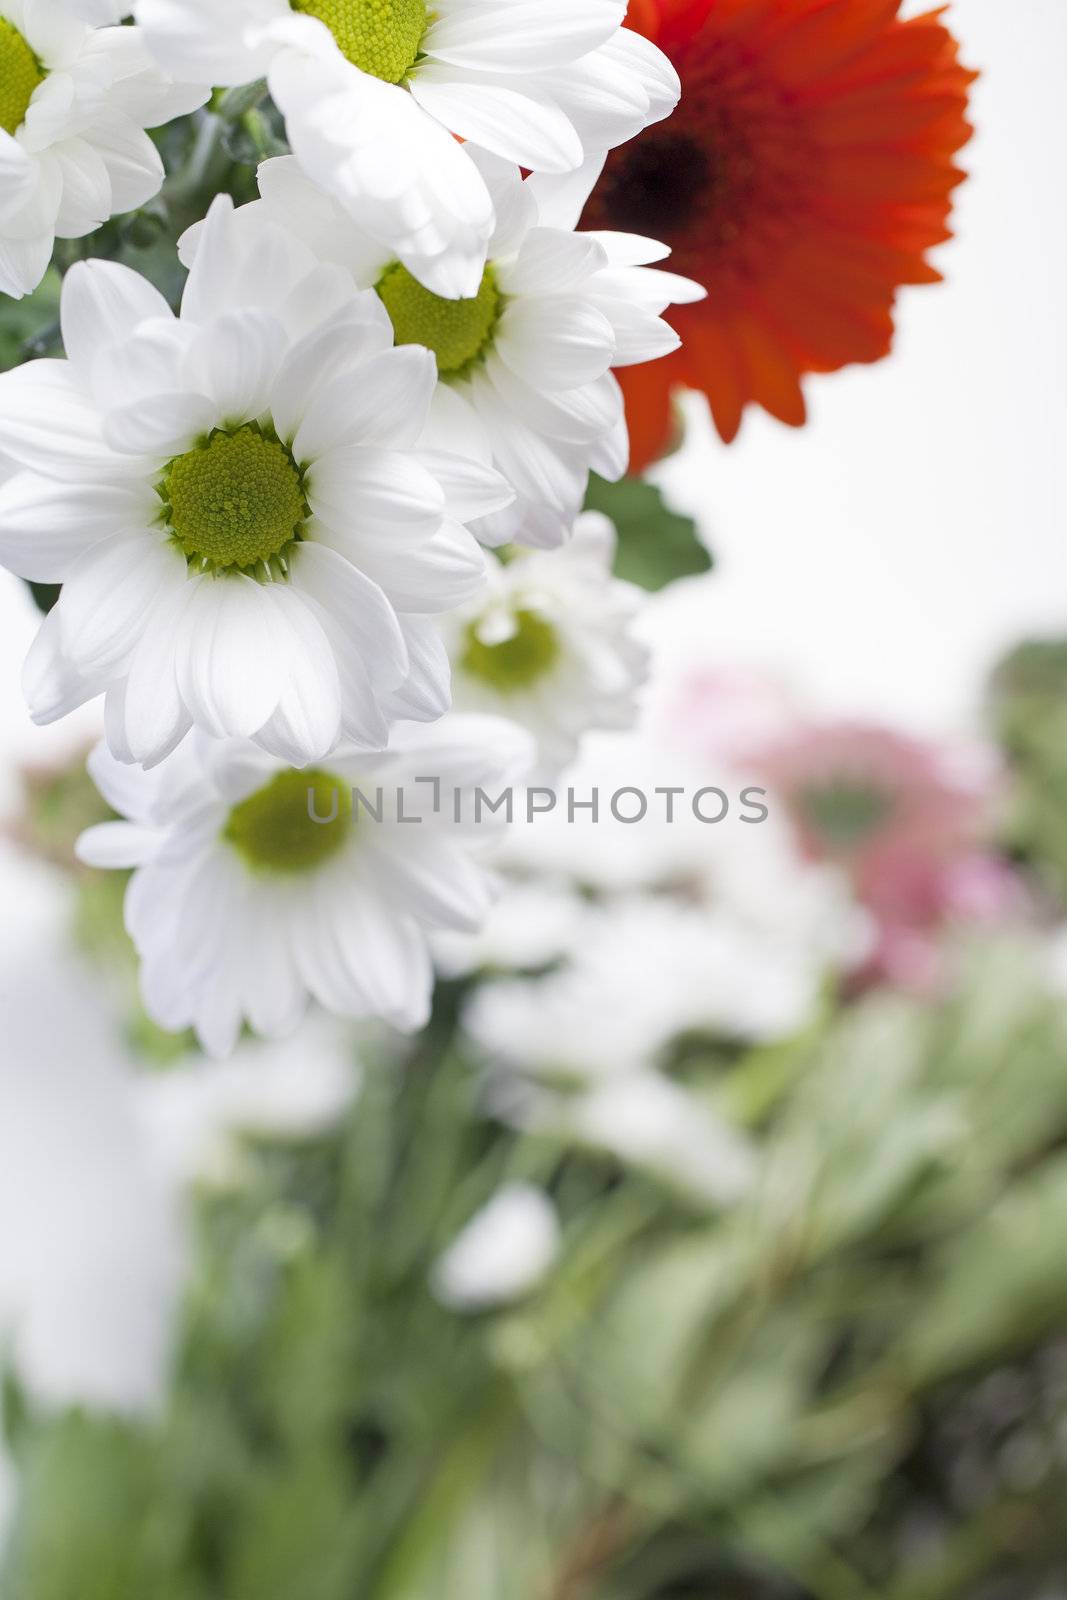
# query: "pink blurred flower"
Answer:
x=855 y=790
x=908 y=821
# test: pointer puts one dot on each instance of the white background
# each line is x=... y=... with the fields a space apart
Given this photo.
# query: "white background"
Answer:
x=885 y=554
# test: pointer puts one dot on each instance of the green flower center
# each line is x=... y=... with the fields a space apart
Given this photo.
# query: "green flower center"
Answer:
x=845 y=814
x=515 y=663
x=20 y=73
x=298 y=822
x=459 y=332
x=381 y=37
x=235 y=502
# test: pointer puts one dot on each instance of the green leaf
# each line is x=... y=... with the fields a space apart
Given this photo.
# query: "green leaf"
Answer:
x=657 y=546
x=30 y=327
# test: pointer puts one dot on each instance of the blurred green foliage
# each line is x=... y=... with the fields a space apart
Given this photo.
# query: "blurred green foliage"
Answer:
x=1028 y=714
x=810 y=1395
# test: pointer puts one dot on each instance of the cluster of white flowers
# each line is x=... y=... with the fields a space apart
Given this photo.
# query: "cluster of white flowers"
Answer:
x=276 y=513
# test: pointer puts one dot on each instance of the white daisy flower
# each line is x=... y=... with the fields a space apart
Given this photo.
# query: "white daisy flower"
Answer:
x=258 y=885
x=373 y=92
x=74 y=103
x=525 y=379
x=550 y=644
x=247 y=538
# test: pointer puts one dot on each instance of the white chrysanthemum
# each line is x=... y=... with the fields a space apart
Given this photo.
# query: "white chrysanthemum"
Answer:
x=576 y=1053
x=550 y=644
x=525 y=365
x=645 y=970
x=374 y=90
x=259 y=885
x=248 y=539
x=74 y=103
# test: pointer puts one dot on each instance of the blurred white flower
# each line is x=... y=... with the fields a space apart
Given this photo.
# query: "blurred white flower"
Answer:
x=650 y=1122
x=550 y=645
x=532 y=925
x=643 y=971
x=194 y=1114
x=524 y=363
x=95 y=1158
x=91 y=1243
x=502 y=1254
x=74 y=103
x=752 y=870
x=258 y=885
x=372 y=96
x=248 y=539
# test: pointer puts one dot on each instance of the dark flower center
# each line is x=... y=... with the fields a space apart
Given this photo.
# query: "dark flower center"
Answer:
x=657 y=186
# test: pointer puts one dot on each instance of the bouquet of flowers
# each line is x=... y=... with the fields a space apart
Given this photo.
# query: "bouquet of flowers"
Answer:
x=587 y=1207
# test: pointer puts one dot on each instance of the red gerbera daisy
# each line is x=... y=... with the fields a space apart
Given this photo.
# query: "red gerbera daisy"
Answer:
x=803 y=179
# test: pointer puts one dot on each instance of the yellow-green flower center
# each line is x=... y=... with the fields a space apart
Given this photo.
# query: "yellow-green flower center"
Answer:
x=299 y=821
x=515 y=663
x=381 y=37
x=459 y=332
x=20 y=73
x=235 y=502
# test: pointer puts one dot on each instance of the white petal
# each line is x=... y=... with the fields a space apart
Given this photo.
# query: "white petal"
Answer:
x=233 y=656
x=237 y=269
x=431 y=577
x=117 y=844
x=48 y=424
x=383 y=401
x=426 y=693
x=352 y=336
x=439 y=883
x=102 y=304
x=208 y=44
x=234 y=360
x=360 y=493
x=154 y=716
x=454 y=427
x=160 y=425
x=359 y=604
x=306 y=725
x=86 y=202
x=522 y=36
x=555 y=344
x=24 y=262
x=562 y=199
x=470 y=489
x=50 y=683
x=108 y=595
x=522 y=124
x=133 y=164
x=632 y=53
x=629 y=249
x=553 y=262
x=126 y=789
x=398 y=173
x=45 y=526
